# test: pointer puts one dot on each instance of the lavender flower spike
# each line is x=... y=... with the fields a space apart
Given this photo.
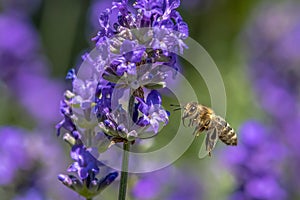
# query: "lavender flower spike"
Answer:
x=135 y=53
x=117 y=98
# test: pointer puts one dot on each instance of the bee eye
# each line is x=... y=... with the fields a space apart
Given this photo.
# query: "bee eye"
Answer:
x=193 y=109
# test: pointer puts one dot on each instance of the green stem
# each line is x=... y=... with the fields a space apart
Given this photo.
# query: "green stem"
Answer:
x=130 y=105
x=125 y=161
x=124 y=173
x=89 y=198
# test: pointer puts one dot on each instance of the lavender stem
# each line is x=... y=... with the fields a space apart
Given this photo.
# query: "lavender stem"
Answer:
x=124 y=173
x=125 y=161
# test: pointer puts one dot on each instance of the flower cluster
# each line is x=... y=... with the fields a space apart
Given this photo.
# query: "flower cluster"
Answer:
x=115 y=96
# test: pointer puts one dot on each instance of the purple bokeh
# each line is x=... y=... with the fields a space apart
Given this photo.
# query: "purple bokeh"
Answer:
x=13 y=154
x=18 y=47
x=267 y=162
x=31 y=160
x=39 y=95
x=170 y=183
x=25 y=71
x=20 y=8
x=273 y=41
x=256 y=163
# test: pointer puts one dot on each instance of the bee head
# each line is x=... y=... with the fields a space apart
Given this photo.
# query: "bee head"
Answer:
x=190 y=110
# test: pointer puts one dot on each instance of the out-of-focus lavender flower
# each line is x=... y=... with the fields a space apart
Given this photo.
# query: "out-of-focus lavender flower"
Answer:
x=20 y=8
x=39 y=95
x=272 y=44
x=18 y=47
x=24 y=69
x=170 y=183
x=32 y=194
x=27 y=167
x=257 y=164
x=13 y=154
x=273 y=49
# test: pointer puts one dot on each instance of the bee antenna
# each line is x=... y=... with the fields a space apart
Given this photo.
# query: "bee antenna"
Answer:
x=175 y=105
x=177 y=109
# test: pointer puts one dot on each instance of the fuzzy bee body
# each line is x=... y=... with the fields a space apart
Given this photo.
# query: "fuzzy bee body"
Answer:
x=205 y=120
x=226 y=133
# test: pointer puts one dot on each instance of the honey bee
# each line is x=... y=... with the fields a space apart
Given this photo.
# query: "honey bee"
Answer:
x=205 y=120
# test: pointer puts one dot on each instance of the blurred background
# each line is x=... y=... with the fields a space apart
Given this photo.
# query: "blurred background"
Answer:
x=254 y=43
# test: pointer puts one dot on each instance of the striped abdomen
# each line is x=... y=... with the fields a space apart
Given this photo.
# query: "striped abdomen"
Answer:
x=226 y=133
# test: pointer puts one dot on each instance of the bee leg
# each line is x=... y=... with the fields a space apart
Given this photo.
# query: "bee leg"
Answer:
x=198 y=133
x=190 y=122
x=201 y=129
x=183 y=122
x=195 y=131
x=209 y=149
x=193 y=122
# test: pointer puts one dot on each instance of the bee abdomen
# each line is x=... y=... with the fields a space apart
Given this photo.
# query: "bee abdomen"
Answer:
x=228 y=136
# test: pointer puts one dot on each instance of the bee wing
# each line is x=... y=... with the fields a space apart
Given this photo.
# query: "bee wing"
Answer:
x=209 y=143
